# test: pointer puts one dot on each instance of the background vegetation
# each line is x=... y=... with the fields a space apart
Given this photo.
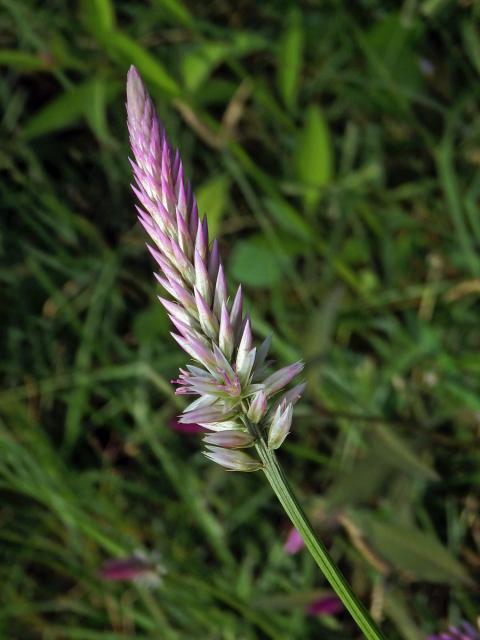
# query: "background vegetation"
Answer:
x=335 y=148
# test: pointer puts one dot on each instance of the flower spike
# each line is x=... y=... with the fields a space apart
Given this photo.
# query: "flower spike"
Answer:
x=230 y=375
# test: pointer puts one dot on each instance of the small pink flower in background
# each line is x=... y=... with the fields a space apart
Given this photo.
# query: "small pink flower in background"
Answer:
x=294 y=542
x=326 y=606
x=123 y=569
x=142 y=568
x=186 y=427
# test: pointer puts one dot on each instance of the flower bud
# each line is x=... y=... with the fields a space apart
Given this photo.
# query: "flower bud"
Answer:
x=245 y=354
x=232 y=460
x=280 y=426
x=281 y=378
x=292 y=396
x=230 y=439
x=220 y=296
x=203 y=414
x=258 y=407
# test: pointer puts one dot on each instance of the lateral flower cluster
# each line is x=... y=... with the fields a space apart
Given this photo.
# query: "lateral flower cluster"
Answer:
x=230 y=375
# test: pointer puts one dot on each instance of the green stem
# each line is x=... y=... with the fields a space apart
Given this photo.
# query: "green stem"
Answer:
x=332 y=573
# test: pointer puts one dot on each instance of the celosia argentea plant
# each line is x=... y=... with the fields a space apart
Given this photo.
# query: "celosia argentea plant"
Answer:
x=236 y=399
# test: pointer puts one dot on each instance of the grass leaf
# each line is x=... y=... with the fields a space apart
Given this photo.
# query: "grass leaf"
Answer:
x=414 y=552
x=99 y=15
x=23 y=61
x=290 y=58
x=130 y=52
x=255 y=264
x=70 y=107
x=314 y=155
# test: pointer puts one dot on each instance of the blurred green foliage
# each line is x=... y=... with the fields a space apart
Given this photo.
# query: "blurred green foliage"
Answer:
x=335 y=148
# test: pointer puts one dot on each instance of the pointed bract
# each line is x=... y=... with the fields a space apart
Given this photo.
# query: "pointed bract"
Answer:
x=207 y=319
x=232 y=460
x=292 y=396
x=220 y=296
x=281 y=378
x=245 y=357
x=258 y=407
x=230 y=439
x=226 y=339
x=280 y=426
x=236 y=311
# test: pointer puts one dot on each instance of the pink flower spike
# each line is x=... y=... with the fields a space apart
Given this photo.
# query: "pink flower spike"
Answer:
x=229 y=379
x=294 y=542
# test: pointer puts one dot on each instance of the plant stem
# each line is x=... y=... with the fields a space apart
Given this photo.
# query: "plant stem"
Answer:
x=332 y=573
